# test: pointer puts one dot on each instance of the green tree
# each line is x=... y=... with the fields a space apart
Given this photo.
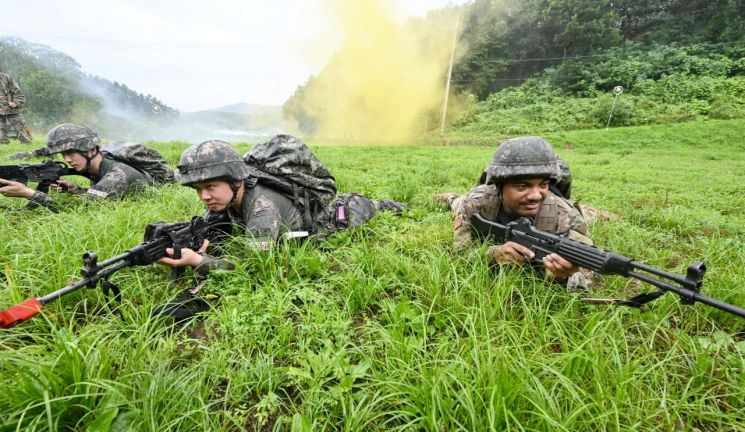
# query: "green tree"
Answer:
x=580 y=25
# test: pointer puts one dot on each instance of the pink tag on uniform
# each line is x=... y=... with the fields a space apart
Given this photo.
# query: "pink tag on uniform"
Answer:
x=341 y=213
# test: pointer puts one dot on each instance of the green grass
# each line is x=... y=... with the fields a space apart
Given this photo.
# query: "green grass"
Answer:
x=384 y=327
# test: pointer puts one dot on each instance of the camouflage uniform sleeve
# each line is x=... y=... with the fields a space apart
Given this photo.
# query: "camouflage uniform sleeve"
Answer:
x=264 y=222
x=219 y=229
x=17 y=94
x=113 y=185
x=464 y=208
x=43 y=200
x=572 y=222
x=210 y=262
x=573 y=225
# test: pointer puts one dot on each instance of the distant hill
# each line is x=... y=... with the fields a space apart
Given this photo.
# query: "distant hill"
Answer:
x=242 y=115
x=243 y=108
x=57 y=91
x=237 y=122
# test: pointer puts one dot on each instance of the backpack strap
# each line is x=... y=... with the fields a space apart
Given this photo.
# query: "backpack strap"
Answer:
x=548 y=215
x=556 y=191
x=490 y=203
x=295 y=195
x=307 y=219
x=305 y=205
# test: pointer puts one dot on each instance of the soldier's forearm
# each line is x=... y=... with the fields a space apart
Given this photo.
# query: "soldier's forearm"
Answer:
x=210 y=262
x=42 y=199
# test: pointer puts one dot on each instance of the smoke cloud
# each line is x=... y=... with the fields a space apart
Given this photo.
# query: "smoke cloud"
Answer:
x=386 y=82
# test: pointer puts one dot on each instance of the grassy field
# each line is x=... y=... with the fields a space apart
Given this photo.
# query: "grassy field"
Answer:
x=384 y=327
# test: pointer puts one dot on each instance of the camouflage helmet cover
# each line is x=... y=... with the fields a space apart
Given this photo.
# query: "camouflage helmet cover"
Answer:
x=524 y=156
x=210 y=160
x=71 y=136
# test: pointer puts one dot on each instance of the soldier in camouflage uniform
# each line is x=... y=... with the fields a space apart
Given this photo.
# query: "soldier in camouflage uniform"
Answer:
x=221 y=179
x=12 y=100
x=80 y=147
x=517 y=185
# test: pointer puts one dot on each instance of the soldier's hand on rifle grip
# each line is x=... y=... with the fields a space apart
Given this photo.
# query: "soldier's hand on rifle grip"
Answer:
x=66 y=186
x=188 y=258
x=15 y=189
x=510 y=253
x=558 y=267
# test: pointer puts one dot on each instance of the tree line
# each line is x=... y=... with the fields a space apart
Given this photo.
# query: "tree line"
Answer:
x=57 y=91
x=582 y=48
x=510 y=40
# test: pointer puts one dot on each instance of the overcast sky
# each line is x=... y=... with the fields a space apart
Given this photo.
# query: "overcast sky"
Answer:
x=192 y=54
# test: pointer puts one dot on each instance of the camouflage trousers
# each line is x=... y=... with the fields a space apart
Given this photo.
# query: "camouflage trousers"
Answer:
x=14 y=126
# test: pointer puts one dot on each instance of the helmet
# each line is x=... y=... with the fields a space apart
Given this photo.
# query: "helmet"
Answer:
x=211 y=160
x=71 y=136
x=525 y=156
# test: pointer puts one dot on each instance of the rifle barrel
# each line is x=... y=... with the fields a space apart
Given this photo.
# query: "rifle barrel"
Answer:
x=158 y=237
x=719 y=304
x=83 y=283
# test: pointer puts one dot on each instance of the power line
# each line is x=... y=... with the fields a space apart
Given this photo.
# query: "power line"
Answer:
x=652 y=16
x=613 y=54
x=492 y=79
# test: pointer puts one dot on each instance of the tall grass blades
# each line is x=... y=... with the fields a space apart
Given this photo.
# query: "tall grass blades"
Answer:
x=384 y=327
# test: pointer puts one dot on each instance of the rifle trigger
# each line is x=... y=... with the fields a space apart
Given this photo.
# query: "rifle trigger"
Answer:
x=175 y=244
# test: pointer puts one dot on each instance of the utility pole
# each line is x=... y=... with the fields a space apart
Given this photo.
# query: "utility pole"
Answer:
x=447 y=86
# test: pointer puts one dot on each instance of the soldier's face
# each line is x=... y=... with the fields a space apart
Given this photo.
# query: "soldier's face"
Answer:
x=215 y=193
x=523 y=197
x=75 y=159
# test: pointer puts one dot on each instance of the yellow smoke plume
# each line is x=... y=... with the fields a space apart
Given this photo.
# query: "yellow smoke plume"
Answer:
x=387 y=80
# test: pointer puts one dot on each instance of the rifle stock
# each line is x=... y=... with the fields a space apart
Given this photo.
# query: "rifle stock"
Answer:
x=158 y=237
x=605 y=262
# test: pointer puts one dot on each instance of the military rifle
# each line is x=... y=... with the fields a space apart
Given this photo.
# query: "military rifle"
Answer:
x=44 y=173
x=605 y=262
x=158 y=237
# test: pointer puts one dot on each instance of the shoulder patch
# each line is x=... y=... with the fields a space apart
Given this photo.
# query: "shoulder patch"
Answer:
x=97 y=193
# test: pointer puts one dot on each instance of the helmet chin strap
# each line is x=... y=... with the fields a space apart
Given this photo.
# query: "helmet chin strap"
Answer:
x=88 y=159
x=500 y=195
x=235 y=187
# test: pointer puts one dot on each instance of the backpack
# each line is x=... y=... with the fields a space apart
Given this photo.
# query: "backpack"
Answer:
x=562 y=188
x=348 y=210
x=351 y=210
x=288 y=166
x=141 y=158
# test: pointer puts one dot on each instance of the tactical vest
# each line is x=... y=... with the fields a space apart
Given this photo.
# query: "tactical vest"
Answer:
x=547 y=218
